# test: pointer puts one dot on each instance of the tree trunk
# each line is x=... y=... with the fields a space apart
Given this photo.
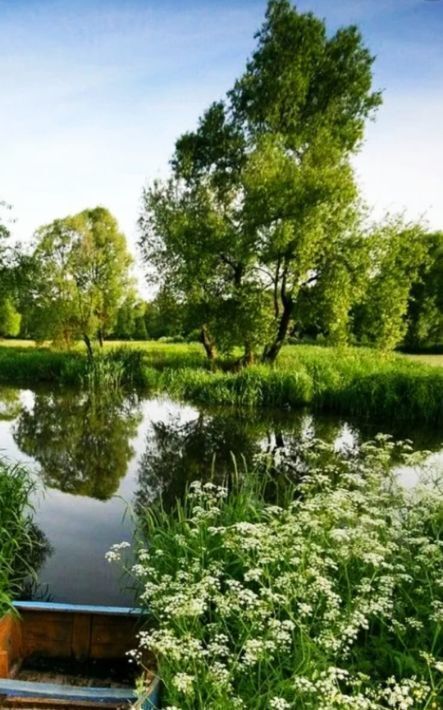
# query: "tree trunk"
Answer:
x=88 y=344
x=272 y=350
x=208 y=344
x=247 y=357
x=100 y=337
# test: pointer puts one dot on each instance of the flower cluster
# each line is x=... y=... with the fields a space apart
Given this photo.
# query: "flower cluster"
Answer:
x=329 y=597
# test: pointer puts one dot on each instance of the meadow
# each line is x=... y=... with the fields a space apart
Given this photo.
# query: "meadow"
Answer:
x=355 y=381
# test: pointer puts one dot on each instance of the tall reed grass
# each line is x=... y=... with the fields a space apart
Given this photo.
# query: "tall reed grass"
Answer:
x=348 y=381
x=17 y=538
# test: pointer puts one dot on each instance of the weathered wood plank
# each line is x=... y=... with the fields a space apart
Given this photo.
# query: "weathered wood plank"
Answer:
x=81 y=636
x=10 y=644
x=112 y=637
x=48 y=634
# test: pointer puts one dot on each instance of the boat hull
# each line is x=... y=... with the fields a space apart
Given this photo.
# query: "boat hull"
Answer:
x=66 y=631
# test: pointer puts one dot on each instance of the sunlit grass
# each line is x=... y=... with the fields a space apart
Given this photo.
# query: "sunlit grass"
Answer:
x=347 y=380
x=427 y=359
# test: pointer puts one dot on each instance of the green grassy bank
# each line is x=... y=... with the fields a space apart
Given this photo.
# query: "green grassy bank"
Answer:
x=354 y=381
x=348 y=381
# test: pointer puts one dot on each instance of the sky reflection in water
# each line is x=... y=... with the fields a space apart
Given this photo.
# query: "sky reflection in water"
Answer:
x=92 y=458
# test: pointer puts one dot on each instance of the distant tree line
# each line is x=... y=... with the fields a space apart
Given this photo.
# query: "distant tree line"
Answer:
x=259 y=235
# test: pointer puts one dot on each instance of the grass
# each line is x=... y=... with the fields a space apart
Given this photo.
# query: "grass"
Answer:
x=319 y=588
x=16 y=531
x=348 y=381
x=355 y=381
x=436 y=360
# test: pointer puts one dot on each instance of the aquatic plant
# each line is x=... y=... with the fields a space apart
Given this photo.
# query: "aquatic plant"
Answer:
x=17 y=532
x=322 y=592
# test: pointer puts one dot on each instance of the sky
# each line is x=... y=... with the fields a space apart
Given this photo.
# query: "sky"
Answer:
x=94 y=93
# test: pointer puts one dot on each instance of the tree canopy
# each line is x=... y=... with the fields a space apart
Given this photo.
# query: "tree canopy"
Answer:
x=80 y=277
x=263 y=190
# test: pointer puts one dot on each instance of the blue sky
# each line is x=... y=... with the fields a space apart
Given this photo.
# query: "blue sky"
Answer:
x=93 y=95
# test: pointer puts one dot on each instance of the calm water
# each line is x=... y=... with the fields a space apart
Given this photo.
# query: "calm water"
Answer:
x=93 y=457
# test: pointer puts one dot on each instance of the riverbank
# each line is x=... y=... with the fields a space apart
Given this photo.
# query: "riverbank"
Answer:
x=355 y=381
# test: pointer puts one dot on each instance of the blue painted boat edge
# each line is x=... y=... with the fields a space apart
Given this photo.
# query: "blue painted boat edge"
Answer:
x=28 y=689
x=77 y=608
x=31 y=689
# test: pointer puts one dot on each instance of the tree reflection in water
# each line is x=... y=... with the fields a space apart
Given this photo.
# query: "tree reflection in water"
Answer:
x=178 y=452
x=10 y=404
x=82 y=441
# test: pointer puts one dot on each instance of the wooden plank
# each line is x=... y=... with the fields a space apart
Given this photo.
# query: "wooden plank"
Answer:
x=49 y=634
x=57 y=704
x=112 y=637
x=81 y=636
x=23 y=689
x=10 y=644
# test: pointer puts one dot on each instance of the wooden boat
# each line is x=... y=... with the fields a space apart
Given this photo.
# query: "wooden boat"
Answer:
x=71 y=634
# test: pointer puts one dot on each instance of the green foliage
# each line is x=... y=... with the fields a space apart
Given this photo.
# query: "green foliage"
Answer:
x=398 y=252
x=425 y=314
x=310 y=585
x=355 y=381
x=164 y=316
x=81 y=278
x=16 y=531
x=10 y=319
x=28 y=365
x=130 y=321
x=345 y=380
x=262 y=193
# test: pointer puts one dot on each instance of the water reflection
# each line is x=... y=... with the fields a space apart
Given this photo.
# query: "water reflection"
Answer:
x=10 y=403
x=82 y=442
x=95 y=453
x=179 y=450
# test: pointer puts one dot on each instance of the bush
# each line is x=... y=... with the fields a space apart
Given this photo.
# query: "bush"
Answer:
x=320 y=592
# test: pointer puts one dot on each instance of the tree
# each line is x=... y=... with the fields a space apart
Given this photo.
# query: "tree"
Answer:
x=425 y=311
x=164 y=316
x=82 y=276
x=326 y=305
x=398 y=253
x=130 y=321
x=263 y=191
x=10 y=319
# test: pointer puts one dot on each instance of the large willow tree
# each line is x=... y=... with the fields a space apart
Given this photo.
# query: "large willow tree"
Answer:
x=262 y=193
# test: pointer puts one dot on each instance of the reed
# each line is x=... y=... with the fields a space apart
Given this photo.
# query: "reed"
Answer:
x=17 y=532
x=351 y=381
